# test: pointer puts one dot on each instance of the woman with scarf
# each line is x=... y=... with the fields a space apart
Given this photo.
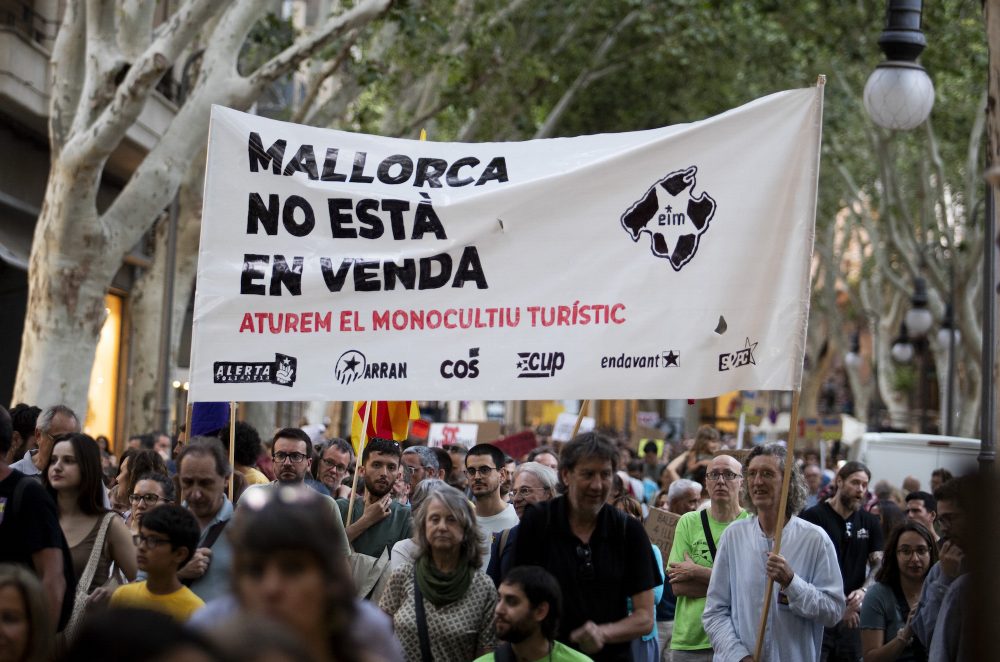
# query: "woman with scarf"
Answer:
x=442 y=604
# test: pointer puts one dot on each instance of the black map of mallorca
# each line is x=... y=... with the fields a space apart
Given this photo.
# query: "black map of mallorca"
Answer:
x=673 y=216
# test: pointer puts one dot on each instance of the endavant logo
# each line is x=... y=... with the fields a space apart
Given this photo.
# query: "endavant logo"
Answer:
x=673 y=216
x=668 y=358
x=353 y=365
x=539 y=364
x=281 y=371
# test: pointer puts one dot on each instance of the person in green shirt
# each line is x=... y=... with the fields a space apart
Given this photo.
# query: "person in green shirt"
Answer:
x=526 y=618
x=378 y=522
x=692 y=555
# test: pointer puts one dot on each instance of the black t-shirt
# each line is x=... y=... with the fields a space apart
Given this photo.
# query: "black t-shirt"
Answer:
x=854 y=538
x=30 y=524
x=596 y=578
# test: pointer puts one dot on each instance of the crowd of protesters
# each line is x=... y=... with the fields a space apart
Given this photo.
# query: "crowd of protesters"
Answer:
x=458 y=554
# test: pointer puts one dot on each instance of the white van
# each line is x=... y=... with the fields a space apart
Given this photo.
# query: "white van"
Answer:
x=893 y=456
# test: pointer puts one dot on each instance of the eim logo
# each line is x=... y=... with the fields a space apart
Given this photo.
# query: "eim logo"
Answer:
x=739 y=358
x=281 y=371
x=353 y=365
x=673 y=216
x=539 y=364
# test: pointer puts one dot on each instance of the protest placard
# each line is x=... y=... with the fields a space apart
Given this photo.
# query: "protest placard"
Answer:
x=660 y=527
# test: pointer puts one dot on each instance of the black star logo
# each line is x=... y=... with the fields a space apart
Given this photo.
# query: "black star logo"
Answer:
x=351 y=364
x=670 y=359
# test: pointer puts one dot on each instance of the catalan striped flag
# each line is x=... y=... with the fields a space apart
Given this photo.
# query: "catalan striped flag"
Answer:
x=388 y=420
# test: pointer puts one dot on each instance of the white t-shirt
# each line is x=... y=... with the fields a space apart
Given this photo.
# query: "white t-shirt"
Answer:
x=402 y=552
x=502 y=521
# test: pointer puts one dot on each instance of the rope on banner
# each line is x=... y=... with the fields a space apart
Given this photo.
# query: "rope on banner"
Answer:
x=793 y=429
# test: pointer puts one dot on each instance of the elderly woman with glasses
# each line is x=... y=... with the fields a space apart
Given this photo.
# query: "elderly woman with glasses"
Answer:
x=893 y=599
x=533 y=483
x=442 y=604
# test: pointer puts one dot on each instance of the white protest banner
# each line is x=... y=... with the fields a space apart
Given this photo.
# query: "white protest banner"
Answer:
x=669 y=263
x=563 y=429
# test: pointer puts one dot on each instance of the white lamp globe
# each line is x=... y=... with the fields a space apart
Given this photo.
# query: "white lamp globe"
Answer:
x=919 y=321
x=944 y=336
x=902 y=352
x=899 y=95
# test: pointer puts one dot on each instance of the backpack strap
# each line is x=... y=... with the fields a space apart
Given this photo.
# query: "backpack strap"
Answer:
x=425 y=640
x=214 y=532
x=708 y=533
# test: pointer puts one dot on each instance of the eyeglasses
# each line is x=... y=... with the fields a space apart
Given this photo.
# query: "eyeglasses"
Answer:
x=585 y=556
x=910 y=551
x=483 y=471
x=149 y=541
x=294 y=458
x=150 y=499
x=722 y=475
x=525 y=492
x=331 y=464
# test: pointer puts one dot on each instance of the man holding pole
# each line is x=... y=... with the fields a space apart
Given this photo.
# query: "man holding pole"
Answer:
x=810 y=592
x=378 y=522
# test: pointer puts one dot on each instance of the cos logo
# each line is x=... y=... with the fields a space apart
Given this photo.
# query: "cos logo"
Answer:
x=462 y=369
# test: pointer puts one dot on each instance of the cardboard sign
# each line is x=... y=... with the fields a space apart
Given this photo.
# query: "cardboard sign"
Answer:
x=563 y=430
x=449 y=434
x=660 y=527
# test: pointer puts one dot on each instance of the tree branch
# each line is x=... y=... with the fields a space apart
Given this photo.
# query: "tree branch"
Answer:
x=66 y=74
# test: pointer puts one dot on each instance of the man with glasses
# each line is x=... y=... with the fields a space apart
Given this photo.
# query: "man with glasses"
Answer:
x=291 y=452
x=53 y=422
x=484 y=465
x=334 y=466
x=599 y=556
x=533 y=483
x=696 y=541
x=808 y=592
x=938 y=621
x=378 y=522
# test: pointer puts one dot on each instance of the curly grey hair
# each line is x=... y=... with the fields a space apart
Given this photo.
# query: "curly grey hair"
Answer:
x=796 y=485
x=545 y=475
x=471 y=550
x=428 y=460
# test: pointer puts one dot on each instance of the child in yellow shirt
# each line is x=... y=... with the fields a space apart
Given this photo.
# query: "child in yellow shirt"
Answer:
x=166 y=541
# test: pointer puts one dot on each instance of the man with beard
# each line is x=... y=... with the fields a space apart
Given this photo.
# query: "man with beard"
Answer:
x=292 y=454
x=526 y=619
x=484 y=465
x=377 y=521
x=808 y=592
x=857 y=537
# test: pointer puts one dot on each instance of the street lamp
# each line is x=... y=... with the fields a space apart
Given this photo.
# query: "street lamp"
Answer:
x=853 y=358
x=899 y=94
x=902 y=348
x=949 y=336
x=918 y=317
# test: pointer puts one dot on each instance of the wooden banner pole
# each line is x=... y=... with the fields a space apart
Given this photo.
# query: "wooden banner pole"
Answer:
x=357 y=462
x=232 y=447
x=793 y=431
x=187 y=421
x=579 y=417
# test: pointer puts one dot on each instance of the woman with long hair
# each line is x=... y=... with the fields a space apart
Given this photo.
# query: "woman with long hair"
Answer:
x=73 y=479
x=25 y=630
x=892 y=601
x=707 y=442
x=442 y=604
x=287 y=568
